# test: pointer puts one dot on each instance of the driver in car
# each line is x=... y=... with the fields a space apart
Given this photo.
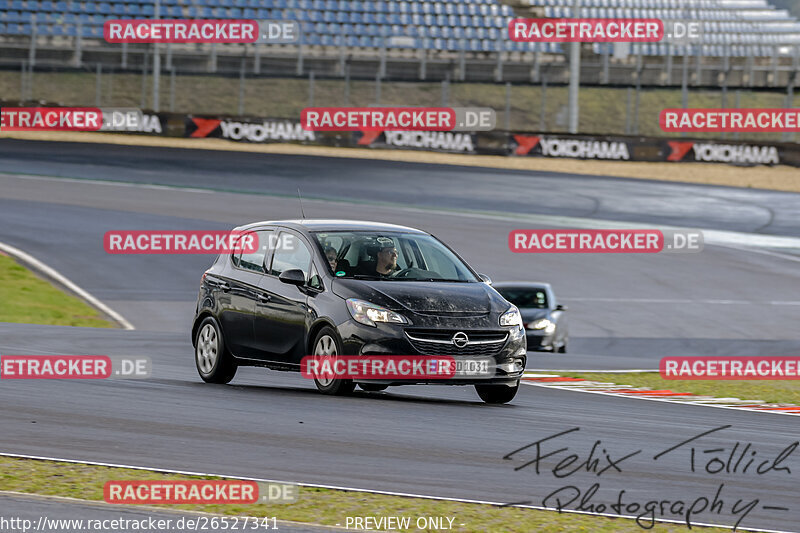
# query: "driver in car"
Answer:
x=386 y=261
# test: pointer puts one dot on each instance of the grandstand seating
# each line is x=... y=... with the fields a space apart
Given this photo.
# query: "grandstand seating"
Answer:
x=732 y=27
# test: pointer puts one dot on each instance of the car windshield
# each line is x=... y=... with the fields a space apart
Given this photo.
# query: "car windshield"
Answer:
x=525 y=298
x=391 y=256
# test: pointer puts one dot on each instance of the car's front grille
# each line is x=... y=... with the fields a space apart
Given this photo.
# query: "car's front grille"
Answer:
x=440 y=342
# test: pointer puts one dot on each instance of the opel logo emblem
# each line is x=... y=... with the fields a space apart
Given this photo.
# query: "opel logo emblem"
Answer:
x=460 y=339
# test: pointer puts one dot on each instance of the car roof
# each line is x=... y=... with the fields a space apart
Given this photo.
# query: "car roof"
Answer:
x=313 y=225
x=521 y=284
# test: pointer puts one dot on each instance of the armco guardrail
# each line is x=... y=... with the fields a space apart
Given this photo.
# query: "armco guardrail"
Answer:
x=512 y=144
x=515 y=144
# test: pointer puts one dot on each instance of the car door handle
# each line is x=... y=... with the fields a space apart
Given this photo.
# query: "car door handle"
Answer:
x=264 y=297
x=224 y=287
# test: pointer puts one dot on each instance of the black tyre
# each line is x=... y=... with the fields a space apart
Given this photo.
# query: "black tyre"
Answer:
x=326 y=345
x=497 y=393
x=214 y=362
x=563 y=348
x=370 y=387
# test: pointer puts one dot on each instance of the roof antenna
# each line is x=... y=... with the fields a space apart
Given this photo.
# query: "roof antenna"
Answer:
x=301 y=203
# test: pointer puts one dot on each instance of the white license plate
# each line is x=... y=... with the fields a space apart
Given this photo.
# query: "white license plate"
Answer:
x=473 y=367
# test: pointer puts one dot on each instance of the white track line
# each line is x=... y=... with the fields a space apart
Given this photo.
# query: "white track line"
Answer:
x=369 y=491
x=686 y=401
x=63 y=280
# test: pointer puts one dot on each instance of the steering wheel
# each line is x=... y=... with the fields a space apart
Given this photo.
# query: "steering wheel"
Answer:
x=403 y=273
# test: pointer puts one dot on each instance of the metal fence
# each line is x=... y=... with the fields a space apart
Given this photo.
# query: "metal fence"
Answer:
x=528 y=91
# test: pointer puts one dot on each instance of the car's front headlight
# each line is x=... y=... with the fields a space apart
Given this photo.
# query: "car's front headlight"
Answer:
x=368 y=313
x=511 y=318
x=543 y=323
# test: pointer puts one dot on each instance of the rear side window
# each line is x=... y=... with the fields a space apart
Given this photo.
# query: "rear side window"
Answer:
x=255 y=261
x=290 y=252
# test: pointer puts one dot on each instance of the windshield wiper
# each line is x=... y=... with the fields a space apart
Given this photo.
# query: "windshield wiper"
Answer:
x=442 y=280
x=367 y=276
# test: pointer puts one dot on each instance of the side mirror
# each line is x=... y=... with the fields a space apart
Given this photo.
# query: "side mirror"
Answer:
x=486 y=279
x=560 y=307
x=293 y=276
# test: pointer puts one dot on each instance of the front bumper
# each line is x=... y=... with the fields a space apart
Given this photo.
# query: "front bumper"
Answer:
x=391 y=339
x=538 y=340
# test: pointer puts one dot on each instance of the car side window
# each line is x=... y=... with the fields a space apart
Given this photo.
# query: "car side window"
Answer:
x=290 y=252
x=255 y=260
x=314 y=279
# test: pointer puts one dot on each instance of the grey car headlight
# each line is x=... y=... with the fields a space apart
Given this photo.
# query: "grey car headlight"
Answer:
x=368 y=313
x=543 y=324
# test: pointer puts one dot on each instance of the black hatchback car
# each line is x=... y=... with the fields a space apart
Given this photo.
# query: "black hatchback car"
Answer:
x=334 y=287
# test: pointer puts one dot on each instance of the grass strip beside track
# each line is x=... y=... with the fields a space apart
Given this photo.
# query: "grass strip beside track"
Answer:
x=28 y=299
x=770 y=391
x=314 y=505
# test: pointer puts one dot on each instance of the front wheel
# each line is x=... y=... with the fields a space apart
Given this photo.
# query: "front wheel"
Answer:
x=214 y=362
x=497 y=393
x=326 y=347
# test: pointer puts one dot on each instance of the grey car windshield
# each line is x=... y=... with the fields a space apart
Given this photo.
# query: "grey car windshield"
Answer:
x=391 y=256
x=525 y=298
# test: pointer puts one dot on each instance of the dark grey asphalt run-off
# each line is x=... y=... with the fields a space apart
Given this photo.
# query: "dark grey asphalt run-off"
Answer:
x=627 y=312
x=600 y=197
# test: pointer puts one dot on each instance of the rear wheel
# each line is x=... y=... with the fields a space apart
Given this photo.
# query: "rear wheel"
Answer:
x=497 y=393
x=214 y=362
x=326 y=347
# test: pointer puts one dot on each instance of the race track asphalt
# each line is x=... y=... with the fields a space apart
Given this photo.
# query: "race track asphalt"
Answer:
x=627 y=311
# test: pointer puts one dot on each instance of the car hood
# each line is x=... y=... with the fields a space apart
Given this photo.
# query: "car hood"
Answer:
x=424 y=297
